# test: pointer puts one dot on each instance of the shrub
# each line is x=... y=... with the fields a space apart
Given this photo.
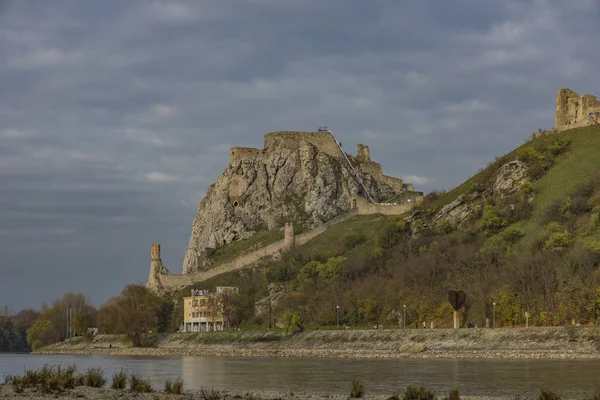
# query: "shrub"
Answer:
x=491 y=223
x=558 y=241
x=293 y=322
x=94 y=377
x=178 y=386
x=119 y=380
x=511 y=235
x=357 y=390
x=139 y=385
x=548 y=395
x=418 y=393
x=453 y=394
x=528 y=188
x=354 y=239
x=210 y=394
x=174 y=387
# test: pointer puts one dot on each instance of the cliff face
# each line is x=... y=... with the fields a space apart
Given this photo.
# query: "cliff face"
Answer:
x=299 y=176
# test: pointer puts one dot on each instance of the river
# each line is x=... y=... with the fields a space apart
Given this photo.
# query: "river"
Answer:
x=380 y=376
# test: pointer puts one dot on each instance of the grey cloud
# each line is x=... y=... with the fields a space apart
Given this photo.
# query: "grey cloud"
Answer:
x=116 y=116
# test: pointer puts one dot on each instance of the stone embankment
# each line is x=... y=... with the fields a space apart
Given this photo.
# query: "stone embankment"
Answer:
x=519 y=343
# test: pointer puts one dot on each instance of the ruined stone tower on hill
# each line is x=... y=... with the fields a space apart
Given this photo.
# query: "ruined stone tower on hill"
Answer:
x=300 y=177
x=574 y=111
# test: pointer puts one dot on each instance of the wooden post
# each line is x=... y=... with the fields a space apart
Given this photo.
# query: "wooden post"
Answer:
x=456 y=322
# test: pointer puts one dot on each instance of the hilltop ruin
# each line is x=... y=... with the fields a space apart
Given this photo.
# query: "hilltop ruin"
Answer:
x=574 y=111
x=299 y=179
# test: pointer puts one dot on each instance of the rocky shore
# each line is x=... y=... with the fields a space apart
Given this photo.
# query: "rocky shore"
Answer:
x=7 y=392
x=517 y=343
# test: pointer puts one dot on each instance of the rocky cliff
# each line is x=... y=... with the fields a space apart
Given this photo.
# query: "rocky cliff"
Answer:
x=303 y=177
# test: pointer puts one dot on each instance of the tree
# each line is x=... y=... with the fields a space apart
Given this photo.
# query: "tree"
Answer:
x=40 y=333
x=138 y=311
x=81 y=323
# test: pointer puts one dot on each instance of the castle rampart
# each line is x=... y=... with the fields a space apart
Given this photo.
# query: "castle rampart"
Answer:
x=237 y=154
x=574 y=111
x=324 y=141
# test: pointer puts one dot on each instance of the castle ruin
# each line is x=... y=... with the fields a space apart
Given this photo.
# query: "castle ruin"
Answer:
x=308 y=169
x=574 y=111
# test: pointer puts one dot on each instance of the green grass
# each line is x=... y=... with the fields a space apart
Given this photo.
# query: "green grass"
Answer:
x=571 y=169
x=577 y=166
x=331 y=243
x=230 y=252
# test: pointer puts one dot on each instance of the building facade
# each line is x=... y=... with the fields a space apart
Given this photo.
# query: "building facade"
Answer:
x=205 y=311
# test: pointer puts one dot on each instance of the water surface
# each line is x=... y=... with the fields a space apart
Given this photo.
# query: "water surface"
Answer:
x=380 y=376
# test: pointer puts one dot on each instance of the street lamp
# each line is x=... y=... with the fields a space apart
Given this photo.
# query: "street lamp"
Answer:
x=494 y=315
x=337 y=317
x=404 y=318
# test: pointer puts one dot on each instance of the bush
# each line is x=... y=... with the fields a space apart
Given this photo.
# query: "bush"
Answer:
x=490 y=222
x=418 y=393
x=119 y=380
x=511 y=235
x=293 y=322
x=453 y=394
x=94 y=377
x=358 y=389
x=354 y=239
x=139 y=385
x=558 y=241
x=47 y=379
x=174 y=387
x=548 y=395
x=209 y=394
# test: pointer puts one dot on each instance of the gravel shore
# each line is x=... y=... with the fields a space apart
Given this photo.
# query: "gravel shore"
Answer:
x=530 y=343
x=7 y=392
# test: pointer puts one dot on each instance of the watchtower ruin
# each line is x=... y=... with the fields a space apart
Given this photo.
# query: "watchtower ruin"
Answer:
x=574 y=111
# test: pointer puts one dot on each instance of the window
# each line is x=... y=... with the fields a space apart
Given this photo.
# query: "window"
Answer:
x=195 y=303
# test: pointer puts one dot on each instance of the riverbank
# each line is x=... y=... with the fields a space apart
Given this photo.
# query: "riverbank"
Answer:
x=521 y=343
x=7 y=392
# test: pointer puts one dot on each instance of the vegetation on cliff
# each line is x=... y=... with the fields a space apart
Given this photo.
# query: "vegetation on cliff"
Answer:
x=534 y=247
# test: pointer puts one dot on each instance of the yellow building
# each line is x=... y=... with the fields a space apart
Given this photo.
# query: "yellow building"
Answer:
x=204 y=310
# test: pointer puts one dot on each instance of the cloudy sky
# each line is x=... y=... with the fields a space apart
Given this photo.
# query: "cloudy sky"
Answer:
x=115 y=116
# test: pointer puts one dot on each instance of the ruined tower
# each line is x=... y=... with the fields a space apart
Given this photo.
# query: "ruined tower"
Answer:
x=289 y=238
x=574 y=111
x=156 y=268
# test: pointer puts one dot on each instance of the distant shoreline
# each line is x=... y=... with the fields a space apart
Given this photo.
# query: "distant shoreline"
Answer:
x=530 y=343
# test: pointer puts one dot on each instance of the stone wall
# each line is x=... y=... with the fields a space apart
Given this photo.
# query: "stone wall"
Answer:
x=324 y=141
x=365 y=207
x=374 y=169
x=161 y=281
x=573 y=111
x=237 y=154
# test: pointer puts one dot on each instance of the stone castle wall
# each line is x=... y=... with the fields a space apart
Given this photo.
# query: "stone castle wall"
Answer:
x=237 y=154
x=573 y=111
x=324 y=141
x=161 y=281
x=364 y=207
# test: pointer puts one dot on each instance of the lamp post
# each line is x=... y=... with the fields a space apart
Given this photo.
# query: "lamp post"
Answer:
x=404 y=318
x=494 y=315
x=337 y=317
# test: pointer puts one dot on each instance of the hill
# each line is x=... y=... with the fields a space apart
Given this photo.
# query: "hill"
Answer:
x=523 y=233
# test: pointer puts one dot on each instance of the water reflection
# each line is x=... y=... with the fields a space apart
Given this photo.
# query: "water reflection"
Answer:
x=472 y=377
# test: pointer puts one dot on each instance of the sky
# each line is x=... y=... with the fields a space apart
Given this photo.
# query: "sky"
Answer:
x=115 y=116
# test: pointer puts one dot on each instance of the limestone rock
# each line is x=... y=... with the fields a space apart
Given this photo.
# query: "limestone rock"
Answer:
x=302 y=177
x=458 y=212
x=276 y=294
x=509 y=178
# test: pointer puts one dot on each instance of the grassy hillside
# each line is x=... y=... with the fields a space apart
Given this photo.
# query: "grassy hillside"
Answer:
x=537 y=250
